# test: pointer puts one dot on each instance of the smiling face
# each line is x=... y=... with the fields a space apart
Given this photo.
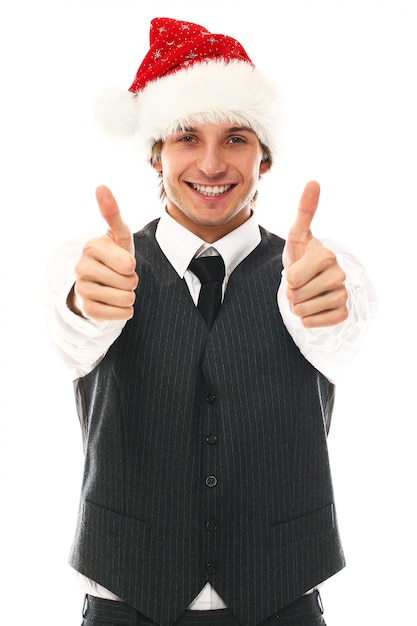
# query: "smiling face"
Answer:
x=210 y=175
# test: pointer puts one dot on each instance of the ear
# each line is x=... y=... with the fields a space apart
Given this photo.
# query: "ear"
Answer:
x=264 y=167
x=157 y=165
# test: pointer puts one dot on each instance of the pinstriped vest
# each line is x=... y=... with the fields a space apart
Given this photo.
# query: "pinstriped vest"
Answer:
x=206 y=456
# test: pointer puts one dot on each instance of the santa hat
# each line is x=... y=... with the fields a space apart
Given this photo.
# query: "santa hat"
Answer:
x=189 y=77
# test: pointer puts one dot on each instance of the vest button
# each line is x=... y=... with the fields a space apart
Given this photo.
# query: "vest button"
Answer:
x=211 y=481
x=211 y=398
x=211 y=439
x=211 y=525
x=211 y=567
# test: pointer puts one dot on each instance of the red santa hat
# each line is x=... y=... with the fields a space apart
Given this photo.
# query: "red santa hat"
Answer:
x=191 y=76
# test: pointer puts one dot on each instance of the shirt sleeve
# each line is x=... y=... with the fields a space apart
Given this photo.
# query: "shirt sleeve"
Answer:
x=331 y=348
x=81 y=343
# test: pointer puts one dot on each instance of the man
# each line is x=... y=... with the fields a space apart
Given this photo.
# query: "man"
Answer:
x=207 y=496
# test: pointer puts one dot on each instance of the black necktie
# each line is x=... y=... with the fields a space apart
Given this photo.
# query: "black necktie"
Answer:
x=210 y=271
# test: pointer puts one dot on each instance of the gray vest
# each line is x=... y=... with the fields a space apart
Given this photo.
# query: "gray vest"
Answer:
x=206 y=456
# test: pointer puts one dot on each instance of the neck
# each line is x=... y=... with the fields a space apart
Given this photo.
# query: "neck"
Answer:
x=209 y=232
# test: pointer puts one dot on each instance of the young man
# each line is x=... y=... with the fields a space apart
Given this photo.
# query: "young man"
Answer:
x=207 y=495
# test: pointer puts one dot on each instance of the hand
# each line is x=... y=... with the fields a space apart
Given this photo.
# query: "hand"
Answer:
x=105 y=274
x=316 y=289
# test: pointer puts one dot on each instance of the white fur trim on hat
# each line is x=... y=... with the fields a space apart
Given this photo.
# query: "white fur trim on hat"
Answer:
x=213 y=91
x=116 y=111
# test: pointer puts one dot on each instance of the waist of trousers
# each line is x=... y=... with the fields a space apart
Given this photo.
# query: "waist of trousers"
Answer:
x=121 y=614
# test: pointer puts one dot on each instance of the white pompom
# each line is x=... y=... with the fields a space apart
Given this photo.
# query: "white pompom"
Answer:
x=116 y=112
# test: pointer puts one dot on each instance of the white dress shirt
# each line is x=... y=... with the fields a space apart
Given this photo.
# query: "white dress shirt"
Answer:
x=83 y=343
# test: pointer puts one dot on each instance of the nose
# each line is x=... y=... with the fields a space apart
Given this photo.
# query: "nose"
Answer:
x=211 y=161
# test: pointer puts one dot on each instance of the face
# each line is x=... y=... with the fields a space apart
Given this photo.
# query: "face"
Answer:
x=210 y=175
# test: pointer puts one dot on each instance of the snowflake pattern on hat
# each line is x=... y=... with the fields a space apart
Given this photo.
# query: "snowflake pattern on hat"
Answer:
x=176 y=45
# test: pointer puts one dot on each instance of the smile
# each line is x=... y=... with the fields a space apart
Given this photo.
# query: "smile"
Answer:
x=210 y=191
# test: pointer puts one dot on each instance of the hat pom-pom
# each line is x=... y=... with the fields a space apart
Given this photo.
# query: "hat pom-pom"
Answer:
x=116 y=112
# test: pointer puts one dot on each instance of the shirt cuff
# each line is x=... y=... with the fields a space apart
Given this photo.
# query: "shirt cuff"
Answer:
x=329 y=349
x=81 y=343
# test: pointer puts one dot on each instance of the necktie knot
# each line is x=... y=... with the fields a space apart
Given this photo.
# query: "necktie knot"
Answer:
x=210 y=271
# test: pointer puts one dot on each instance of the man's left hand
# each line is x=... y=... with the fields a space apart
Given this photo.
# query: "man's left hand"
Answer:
x=316 y=282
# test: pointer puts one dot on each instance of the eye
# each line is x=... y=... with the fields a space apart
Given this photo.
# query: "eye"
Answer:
x=186 y=138
x=236 y=140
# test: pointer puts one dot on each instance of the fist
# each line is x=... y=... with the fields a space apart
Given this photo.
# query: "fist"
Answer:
x=106 y=280
x=316 y=282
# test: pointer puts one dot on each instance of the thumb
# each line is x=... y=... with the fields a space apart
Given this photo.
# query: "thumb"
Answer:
x=300 y=232
x=118 y=231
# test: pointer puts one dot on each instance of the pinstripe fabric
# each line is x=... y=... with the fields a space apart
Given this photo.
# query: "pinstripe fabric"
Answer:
x=162 y=510
x=305 y=611
x=99 y=611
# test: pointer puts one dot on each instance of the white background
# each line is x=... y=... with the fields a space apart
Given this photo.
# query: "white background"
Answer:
x=348 y=70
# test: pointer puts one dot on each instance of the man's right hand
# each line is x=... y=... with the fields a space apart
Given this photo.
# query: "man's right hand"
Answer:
x=105 y=274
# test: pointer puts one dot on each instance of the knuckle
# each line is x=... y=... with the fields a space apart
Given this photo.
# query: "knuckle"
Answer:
x=79 y=268
x=343 y=297
x=344 y=314
x=329 y=258
x=291 y=277
x=132 y=263
x=91 y=246
x=340 y=297
x=133 y=281
x=81 y=289
x=84 y=268
x=129 y=299
x=91 y=309
x=342 y=275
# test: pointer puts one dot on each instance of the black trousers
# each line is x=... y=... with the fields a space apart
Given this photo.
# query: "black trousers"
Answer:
x=306 y=611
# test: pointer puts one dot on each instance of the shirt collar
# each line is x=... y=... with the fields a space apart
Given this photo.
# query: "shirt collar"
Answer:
x=180 y=245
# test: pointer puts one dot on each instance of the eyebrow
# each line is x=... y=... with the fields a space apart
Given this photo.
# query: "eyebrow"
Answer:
x=237 y=129
x=233 y=129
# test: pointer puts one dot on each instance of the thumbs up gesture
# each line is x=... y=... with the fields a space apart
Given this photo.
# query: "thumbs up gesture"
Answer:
x=105 y=273
x=316 y=290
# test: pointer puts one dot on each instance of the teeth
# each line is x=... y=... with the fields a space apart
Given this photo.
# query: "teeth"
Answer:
x=211 y=191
